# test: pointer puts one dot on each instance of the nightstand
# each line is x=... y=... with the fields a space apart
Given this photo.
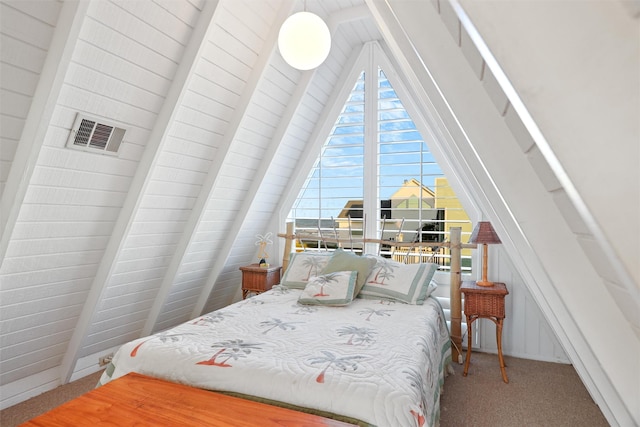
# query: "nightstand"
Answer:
x=258 y=279
x=485 y=302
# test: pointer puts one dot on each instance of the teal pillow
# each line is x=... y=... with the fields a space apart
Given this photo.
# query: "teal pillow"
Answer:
x=408 y=283
x=334 y=289
x=342 y=260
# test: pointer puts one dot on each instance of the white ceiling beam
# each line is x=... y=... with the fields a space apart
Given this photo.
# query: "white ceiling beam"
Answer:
x=199 y=206
x=157 y=140
x=605 y=246
x=258 y=71
x=37 y=123
x=344 y=16
x=451 y=97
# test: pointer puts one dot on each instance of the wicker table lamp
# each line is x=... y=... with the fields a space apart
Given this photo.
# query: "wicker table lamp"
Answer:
x=485 y=235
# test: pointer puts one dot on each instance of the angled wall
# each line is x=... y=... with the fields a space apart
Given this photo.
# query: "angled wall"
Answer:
x=463 y=97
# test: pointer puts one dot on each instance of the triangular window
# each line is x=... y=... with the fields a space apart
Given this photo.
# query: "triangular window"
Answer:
x=376 y=176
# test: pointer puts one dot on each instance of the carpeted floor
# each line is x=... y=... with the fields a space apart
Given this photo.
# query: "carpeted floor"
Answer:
x=538 y=394
x=17 y=414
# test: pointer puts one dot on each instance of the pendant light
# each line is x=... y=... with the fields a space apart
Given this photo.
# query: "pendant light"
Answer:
x=304 y=40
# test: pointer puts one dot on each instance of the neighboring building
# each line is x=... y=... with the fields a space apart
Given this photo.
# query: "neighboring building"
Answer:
x=413 y=213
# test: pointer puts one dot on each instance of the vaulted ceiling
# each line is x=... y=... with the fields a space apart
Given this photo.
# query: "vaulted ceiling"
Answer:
x=220 y=133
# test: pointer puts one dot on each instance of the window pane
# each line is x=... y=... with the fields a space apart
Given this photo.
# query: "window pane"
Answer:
x=415 y=201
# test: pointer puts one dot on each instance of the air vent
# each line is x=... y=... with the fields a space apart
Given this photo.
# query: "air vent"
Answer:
x=98 y=137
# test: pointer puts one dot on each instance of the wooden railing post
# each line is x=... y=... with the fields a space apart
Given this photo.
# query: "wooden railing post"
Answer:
x=456 y=300
x=287 y=247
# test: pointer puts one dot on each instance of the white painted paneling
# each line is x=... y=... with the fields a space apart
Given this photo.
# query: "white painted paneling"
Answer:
x=565 y=265
x=546 y=175
x=520 y=132
x=526 y=333
x=226 y=290
x=35 y=212
x=561 y=94
x=26 y=30
x=107 y=61
x=64 y=178
x=494 y=91
x=53 y=245
x=471 y=53
x=235 y=176
x=71 y=161
x=450 y=19
x=20 y=23
x=568 y=210
x=196 y=135
x=183 y=10
x=130 y=287
x=31 y=59
x=18 y=79
x=19 y=103
x=212 y=148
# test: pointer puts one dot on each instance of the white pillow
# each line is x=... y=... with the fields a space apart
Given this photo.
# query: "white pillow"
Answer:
x=335 y=289
x=408 y=283
x=302 y=266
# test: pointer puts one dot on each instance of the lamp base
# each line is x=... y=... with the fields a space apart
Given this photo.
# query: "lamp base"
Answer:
x=484 y=283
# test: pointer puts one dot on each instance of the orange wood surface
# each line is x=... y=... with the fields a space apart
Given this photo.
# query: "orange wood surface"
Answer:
x=138 y=400
x=258 y=279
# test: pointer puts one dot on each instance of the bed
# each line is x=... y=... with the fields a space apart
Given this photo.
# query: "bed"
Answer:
x=373 y=352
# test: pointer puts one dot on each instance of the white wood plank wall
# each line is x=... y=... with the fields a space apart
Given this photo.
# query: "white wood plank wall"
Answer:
x=174 y=182
x=220 y=134
x=20 y=73
x=233 y=171
x=74 y=197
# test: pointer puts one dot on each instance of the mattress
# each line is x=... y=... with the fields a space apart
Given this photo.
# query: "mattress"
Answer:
x=374 y=361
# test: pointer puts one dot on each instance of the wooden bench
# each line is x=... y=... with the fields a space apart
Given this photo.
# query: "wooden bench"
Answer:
x=136 y=399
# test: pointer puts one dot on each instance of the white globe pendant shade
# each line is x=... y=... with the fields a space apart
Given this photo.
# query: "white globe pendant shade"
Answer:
x=304 y=40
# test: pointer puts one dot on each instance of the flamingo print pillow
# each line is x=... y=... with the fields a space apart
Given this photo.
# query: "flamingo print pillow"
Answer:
x=408 y=283
x=335 y=289
x=303 y=266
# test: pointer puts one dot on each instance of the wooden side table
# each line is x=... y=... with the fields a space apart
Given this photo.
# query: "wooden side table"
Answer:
x=484 y=302
x=258 y=279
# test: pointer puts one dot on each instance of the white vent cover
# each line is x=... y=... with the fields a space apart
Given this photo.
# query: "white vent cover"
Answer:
x=91 y=135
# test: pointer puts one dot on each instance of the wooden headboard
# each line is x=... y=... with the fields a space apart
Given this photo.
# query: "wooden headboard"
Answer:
x=455 y=246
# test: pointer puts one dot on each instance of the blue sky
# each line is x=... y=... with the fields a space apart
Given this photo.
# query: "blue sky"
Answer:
x=339 y=175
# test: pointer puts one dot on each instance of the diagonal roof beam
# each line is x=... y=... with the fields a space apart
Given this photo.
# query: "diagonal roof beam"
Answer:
x=210 y=184
x=523 y=254
x=345 y=15
x=262 y=170
x=43 y=104
x=156 y=141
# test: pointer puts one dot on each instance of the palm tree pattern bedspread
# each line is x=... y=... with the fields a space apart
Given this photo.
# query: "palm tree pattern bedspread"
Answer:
x=374 y=360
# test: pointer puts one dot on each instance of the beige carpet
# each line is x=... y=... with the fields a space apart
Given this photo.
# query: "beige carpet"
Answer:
x=38 y=405
x=538 y=394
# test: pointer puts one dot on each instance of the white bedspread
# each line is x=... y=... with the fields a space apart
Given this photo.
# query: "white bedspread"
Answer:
x=379 y=362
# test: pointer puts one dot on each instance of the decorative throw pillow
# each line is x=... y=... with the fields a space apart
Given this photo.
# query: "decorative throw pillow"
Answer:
x=342 y=260
x=302 y=266
x=333 y=289
x=408 y=283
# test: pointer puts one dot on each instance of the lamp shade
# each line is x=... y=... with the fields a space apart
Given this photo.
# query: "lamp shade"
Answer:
x=304 y=40
x=484 y=233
